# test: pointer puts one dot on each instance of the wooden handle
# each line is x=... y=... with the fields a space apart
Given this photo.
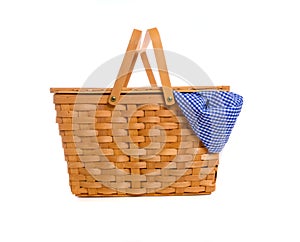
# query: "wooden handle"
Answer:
x=153 y=35
x=127 y=66
x=130 y=60
x=147 y=67
x=136 y=36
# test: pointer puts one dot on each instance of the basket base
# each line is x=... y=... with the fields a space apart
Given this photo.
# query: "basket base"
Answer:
x=165 y=192
x=144 y=195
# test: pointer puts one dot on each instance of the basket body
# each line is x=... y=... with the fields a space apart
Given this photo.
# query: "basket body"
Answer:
x=138 y=147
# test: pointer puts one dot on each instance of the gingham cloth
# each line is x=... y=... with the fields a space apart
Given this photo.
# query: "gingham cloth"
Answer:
x=211 y=114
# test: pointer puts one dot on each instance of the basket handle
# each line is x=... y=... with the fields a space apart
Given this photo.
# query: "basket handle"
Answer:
x=154 y=36
x=130 y=59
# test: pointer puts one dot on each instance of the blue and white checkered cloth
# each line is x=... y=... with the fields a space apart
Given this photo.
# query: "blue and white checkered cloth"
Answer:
x=211 y=114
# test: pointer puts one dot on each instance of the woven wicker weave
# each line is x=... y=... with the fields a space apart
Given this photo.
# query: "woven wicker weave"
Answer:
x=139 y=147
x=123 y=141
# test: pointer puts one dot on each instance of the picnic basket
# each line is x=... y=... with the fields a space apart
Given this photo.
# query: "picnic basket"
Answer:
x=124 y=141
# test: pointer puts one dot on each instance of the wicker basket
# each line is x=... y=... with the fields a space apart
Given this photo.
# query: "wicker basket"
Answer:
x=130 y=142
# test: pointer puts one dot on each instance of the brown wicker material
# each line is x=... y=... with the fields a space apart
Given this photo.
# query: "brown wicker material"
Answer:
x=138 y=147
x=122 y=141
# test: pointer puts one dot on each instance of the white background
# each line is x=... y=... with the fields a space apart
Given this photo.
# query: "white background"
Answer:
x=253 y=46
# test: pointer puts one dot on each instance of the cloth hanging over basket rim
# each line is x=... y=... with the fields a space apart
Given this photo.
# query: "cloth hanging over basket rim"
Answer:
x=211 y=114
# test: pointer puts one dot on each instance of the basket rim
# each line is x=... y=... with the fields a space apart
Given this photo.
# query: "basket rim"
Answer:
x=78 y=90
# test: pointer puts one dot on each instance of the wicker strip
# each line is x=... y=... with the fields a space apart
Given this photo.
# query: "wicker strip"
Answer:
x=139 y=147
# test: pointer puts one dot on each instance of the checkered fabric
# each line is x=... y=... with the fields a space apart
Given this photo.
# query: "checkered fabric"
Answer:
x=211 y=114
